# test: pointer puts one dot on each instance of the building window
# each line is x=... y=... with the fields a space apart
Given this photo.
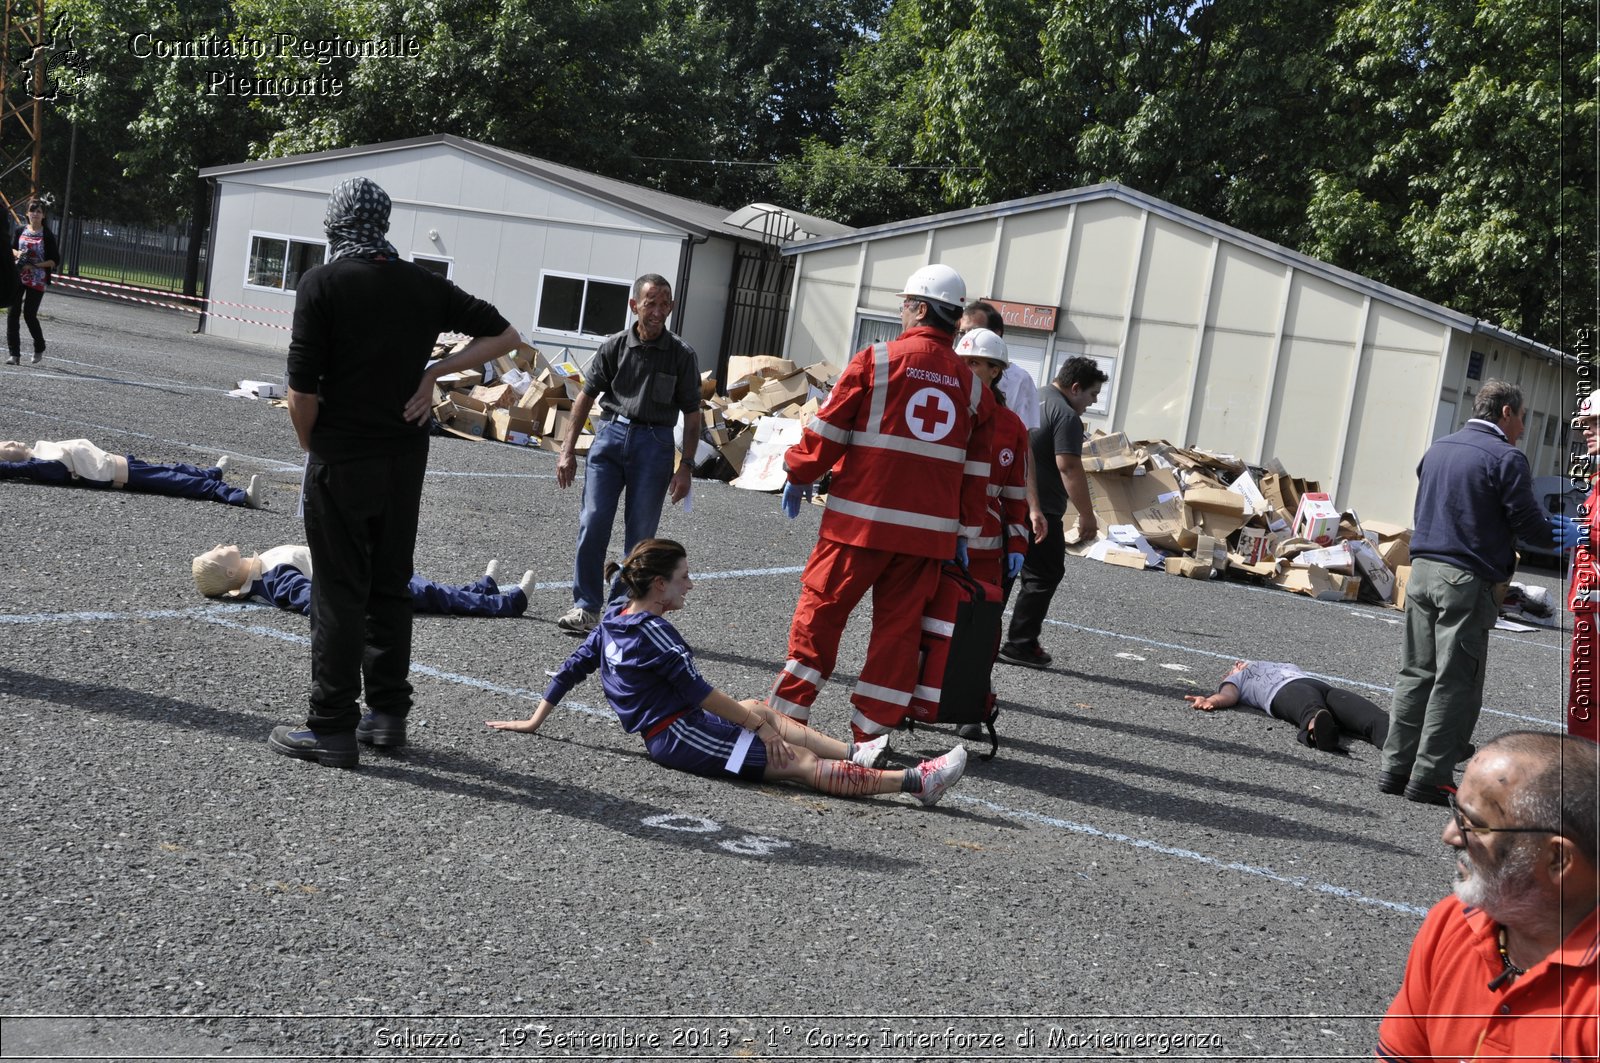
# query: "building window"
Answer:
x=582 y=306
x=1475 y=366
x=277 y=262
x=870 y=330
x=441 y=266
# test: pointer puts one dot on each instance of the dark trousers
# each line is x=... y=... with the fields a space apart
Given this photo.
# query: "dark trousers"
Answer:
x=361 y=526
x=1042 y=571
x=28 y=307
x=1302 y=699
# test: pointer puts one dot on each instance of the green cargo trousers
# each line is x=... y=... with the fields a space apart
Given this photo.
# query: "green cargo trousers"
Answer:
x=1449 y=613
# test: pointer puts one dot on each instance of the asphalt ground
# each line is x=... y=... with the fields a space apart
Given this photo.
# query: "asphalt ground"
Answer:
x=1129 y=877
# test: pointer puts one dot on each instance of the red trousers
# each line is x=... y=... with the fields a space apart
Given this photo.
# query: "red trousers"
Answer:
x=836 y=578
x=1583 y=709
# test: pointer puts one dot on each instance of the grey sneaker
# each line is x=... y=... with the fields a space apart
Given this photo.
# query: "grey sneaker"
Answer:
x=252 y=494
x=526 y=582
x=871 y=754
x=940 y=774
x=492 y=570
x=223 y=463
x=578 y=621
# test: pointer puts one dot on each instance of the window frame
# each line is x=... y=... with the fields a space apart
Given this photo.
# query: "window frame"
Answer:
x=587 y=279
x=288 y=256
x=449 y=263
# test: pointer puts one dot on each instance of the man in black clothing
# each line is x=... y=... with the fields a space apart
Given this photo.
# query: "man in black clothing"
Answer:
x=359 y=398
x=1057 y=446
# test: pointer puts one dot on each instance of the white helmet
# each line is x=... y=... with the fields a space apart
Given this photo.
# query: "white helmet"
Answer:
x=937 y=284
x=981 y=343
x=1590 y=406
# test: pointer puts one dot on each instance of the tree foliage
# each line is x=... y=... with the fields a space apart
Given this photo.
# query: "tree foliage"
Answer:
x=1444 y=148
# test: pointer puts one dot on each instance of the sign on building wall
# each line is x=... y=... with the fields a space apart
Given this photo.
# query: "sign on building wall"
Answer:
x=1025 y=315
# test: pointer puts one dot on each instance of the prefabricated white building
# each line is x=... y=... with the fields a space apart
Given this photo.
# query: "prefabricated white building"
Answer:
x=1211 y=337
x=554 y=248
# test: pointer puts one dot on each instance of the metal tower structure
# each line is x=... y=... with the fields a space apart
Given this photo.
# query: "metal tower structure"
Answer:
x=22 y=67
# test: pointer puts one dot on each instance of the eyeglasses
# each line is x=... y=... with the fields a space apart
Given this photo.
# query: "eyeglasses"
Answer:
x=1467 y=828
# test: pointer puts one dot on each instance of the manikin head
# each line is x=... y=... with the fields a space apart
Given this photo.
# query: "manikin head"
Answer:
x=220 y=570
x=12 y=450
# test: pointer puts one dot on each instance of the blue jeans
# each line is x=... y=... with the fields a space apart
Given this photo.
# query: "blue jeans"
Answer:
x=636 y=458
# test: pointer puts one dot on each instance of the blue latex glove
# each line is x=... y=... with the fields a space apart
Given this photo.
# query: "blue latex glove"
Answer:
x=961 y=551
x=793 y=495
x=1568 y=532
x=1014 y=565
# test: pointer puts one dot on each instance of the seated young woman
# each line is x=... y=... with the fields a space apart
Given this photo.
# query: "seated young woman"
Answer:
x=649 y=677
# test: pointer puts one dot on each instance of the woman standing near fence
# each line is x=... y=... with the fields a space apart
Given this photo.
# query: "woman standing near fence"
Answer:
x=34 y=247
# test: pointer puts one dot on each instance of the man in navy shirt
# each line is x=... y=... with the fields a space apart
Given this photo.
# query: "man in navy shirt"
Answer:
x=1474 y=498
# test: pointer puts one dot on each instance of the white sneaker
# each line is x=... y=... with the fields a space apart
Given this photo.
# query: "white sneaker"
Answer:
x=940 y=774
x=223 y=463
x=526 y=582
x=578 y=621
x=871 y=754
x=493 y=570
x=252 y=494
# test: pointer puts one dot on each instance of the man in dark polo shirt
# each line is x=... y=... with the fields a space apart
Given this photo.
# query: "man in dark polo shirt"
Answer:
x=359 y=398
x=1057 y=446
x=643 y=378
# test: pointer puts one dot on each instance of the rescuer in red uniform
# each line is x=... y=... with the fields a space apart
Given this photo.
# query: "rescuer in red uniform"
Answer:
x=906 y=433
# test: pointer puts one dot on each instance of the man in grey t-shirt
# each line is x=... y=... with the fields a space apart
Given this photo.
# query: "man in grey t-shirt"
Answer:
x=1057 y=446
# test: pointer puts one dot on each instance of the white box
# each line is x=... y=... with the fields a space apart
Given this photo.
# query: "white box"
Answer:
x=1317 y=519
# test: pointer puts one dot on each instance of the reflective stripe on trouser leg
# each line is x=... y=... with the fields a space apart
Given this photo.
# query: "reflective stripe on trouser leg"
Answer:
x=835 y=579
x=900 y=597
x=795 y=681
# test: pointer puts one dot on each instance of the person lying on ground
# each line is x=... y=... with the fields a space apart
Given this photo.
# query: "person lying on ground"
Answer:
x=282 y=576
x=1321 y=711
x=80 y=461
x=649 y=677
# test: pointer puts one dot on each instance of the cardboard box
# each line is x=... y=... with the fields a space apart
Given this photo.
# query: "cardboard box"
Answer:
x=1124 y=556
x=263 y=389
x=1402 y=576
x=1245 y=486
x=1162 y=524
x=1375 y=573
x=782 y=391
x=1316 y=518
x=1190 y=567
x=503 y=424
x=465 y=380
x=1252 y=545
x=1110 y=453
x=1335 y=558
x=1214 y=511
x=1319 y=583
x=464 y=420
x=1117 y=496
x=742 y=366
x=497 y=397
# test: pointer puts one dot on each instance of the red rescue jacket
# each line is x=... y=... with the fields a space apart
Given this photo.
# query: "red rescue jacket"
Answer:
x=1005 y=521
x=906 y=431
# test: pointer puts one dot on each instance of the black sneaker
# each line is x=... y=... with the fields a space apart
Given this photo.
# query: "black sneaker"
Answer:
x=382 y=729
x=1028 y=656
x=336 y=750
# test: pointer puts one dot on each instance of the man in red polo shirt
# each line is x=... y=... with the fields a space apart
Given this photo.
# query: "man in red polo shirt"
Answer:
x=1509 y=967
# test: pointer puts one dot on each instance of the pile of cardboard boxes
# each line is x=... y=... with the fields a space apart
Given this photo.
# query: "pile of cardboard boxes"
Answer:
x=1192 y=513
x=527 y=401
x=1199 y=515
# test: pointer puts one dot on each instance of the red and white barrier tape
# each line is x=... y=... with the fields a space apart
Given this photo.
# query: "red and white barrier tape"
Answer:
x=72 y=282
x=175 y=295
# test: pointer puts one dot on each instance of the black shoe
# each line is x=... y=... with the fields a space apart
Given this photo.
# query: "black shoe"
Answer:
x=1323 y=731
x=336 y=750
x=1425 y=793
x=382 y=729
x=15 y=359
x=1028 y=656
x=1391 y=783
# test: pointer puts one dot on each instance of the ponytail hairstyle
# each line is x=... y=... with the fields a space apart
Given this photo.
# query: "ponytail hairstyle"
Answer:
x=651 y=559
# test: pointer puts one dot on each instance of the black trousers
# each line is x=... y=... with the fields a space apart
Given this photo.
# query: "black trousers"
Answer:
x=1301 y=699
x=1042 y=571
x=27 y=306
x=361 y=526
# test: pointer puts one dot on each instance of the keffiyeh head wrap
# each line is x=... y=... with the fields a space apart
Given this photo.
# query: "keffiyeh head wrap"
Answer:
x=357 y=219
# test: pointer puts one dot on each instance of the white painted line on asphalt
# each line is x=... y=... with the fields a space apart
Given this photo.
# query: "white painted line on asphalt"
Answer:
x=212 y=614
x=1187 y=854
x=207 y=449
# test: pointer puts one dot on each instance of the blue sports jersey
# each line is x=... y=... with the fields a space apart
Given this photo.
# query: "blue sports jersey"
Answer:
x=646 y=669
